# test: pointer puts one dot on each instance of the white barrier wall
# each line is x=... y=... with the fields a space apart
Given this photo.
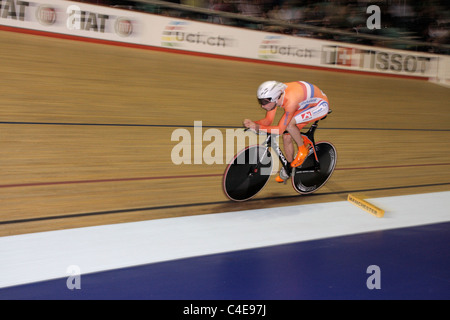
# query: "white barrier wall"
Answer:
x=443 y=73
x=110 y=24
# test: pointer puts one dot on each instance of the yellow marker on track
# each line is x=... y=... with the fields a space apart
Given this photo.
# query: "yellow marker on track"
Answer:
x=363 y=204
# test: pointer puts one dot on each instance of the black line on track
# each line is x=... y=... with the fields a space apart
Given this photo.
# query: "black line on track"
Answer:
x=99 y=213
x=192 y=126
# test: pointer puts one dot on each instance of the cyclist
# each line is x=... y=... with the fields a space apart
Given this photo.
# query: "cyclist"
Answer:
x=303 y=103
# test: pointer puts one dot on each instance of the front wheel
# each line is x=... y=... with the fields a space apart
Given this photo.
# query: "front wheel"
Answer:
x=247 y=173
x=307 y=178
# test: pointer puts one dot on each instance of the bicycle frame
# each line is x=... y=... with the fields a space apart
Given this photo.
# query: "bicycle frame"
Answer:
x=286 y=164
x=271 y=143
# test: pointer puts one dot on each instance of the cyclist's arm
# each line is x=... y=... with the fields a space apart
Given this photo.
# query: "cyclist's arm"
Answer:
x=267 y=121
x=282 y=124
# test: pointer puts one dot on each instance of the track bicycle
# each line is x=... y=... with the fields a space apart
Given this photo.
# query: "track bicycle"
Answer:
x=250 y=169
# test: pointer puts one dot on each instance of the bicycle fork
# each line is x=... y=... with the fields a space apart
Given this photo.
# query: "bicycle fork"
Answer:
x=259 y=161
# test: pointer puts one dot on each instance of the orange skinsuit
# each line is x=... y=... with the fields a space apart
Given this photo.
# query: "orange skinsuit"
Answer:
x=295 y=104
x=305 y=103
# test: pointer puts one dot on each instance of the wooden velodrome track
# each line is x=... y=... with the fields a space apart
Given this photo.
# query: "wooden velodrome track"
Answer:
x=85 y=133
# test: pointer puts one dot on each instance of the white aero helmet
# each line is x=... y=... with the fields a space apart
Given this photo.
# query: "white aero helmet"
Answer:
x=270 y=91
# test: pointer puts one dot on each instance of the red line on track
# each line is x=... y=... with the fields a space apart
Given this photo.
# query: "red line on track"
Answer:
x=37 y=184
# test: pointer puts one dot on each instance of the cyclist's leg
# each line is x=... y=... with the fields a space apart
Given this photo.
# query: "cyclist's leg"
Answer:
x=294 y=133
x=302 y=118
x=288 y=144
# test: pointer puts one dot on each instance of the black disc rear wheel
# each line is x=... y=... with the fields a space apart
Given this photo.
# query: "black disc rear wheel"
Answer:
x=308 y=179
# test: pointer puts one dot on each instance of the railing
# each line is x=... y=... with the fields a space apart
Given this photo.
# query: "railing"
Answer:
x=239 y=20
